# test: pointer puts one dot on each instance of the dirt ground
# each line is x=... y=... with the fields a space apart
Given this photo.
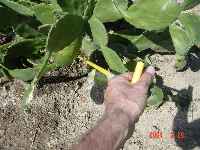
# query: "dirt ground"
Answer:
x=62 y=110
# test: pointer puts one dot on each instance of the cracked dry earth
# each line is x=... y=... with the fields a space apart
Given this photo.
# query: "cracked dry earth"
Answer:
x=62 y=110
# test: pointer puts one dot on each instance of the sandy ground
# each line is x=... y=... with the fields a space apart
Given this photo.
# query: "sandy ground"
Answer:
x=62 y=110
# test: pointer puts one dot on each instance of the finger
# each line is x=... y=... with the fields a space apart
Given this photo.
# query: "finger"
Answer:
x=147 y=77
x=126 y=76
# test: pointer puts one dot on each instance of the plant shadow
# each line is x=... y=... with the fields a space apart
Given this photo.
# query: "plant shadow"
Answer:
x=186 y=133
x=194 y=60
x=58 y=79
x=97 y=93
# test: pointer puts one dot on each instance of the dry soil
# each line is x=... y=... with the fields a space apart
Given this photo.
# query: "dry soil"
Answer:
x=64 y=108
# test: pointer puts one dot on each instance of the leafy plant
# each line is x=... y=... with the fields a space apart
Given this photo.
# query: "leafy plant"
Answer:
x=40 y=36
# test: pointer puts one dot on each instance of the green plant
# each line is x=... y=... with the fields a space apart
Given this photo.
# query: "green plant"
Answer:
x=47 y=34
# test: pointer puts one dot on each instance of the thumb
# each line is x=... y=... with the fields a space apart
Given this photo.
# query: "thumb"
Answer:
x=147 y=77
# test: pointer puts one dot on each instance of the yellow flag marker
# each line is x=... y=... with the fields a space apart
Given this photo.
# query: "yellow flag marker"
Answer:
x=136 y=75
x=138 y=72
x=100 y=69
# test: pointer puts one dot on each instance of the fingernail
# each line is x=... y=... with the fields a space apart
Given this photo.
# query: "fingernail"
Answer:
x=151 y=70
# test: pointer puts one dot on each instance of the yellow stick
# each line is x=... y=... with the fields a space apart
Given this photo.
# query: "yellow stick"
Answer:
x=138 y=72
x=136 y=75
x=100 y=69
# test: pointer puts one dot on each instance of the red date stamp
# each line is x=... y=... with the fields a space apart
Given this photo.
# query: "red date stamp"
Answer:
x=177 y=135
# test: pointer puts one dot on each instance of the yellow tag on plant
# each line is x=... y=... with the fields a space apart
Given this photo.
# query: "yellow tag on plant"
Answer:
x=138 y=72
x=100 y=69
x=136 y=75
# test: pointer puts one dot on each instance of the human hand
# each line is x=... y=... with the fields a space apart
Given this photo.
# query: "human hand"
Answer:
x=129 y=98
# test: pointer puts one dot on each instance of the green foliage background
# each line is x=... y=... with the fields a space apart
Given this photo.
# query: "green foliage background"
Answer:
x=48 y=34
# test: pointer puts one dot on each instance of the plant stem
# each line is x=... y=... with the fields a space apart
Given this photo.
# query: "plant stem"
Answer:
x=2 y=66
x=28 y=96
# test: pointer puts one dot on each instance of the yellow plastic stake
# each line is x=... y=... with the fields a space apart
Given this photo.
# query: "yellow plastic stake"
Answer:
x=138 y=72
x=100 y=69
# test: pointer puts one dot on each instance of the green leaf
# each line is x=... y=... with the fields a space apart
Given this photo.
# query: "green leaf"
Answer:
x=13 y=20
x=77 y=7
x=140 y=41
x=156 y=97
x=55 y=5
x=185 y=34
x=25 y=47
x=98 y=31
x=67 y=55
x=182 y=43
x=21 y=9
x=159 y=42
x=64 y=32
x=191 y=23
x=25 y=31
x=45 y=13
x=22 y=74
x=114 y=61
x=149 y=15
x=188 y=4
x=106 y=11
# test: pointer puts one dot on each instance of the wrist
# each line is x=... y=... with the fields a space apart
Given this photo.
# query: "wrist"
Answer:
x=129 y=111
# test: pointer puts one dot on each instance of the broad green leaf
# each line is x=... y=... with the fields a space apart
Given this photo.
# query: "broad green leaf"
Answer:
x=23 y=74
x=113 y=60
x=25 y=47
x=98 y=31
x=45 y=13
x=191 y=23
x=156 y=97
x=64 y=32
x=25 y=31
x=13 y=20
x=181 y=41
x=182 y=44
x=140 y=42
x=68 y=54
x=21 y=9
x=188 y=4
x=77 y=7
x=185 y=34
x=21 y=50
x=159 y=42
x=55 y=5
x=106 y=10
x=149 y=15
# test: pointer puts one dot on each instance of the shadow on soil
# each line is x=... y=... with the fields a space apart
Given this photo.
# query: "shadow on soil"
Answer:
x=97 y=93
x=58 y=79
x=185 y=133
x=194 y=61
